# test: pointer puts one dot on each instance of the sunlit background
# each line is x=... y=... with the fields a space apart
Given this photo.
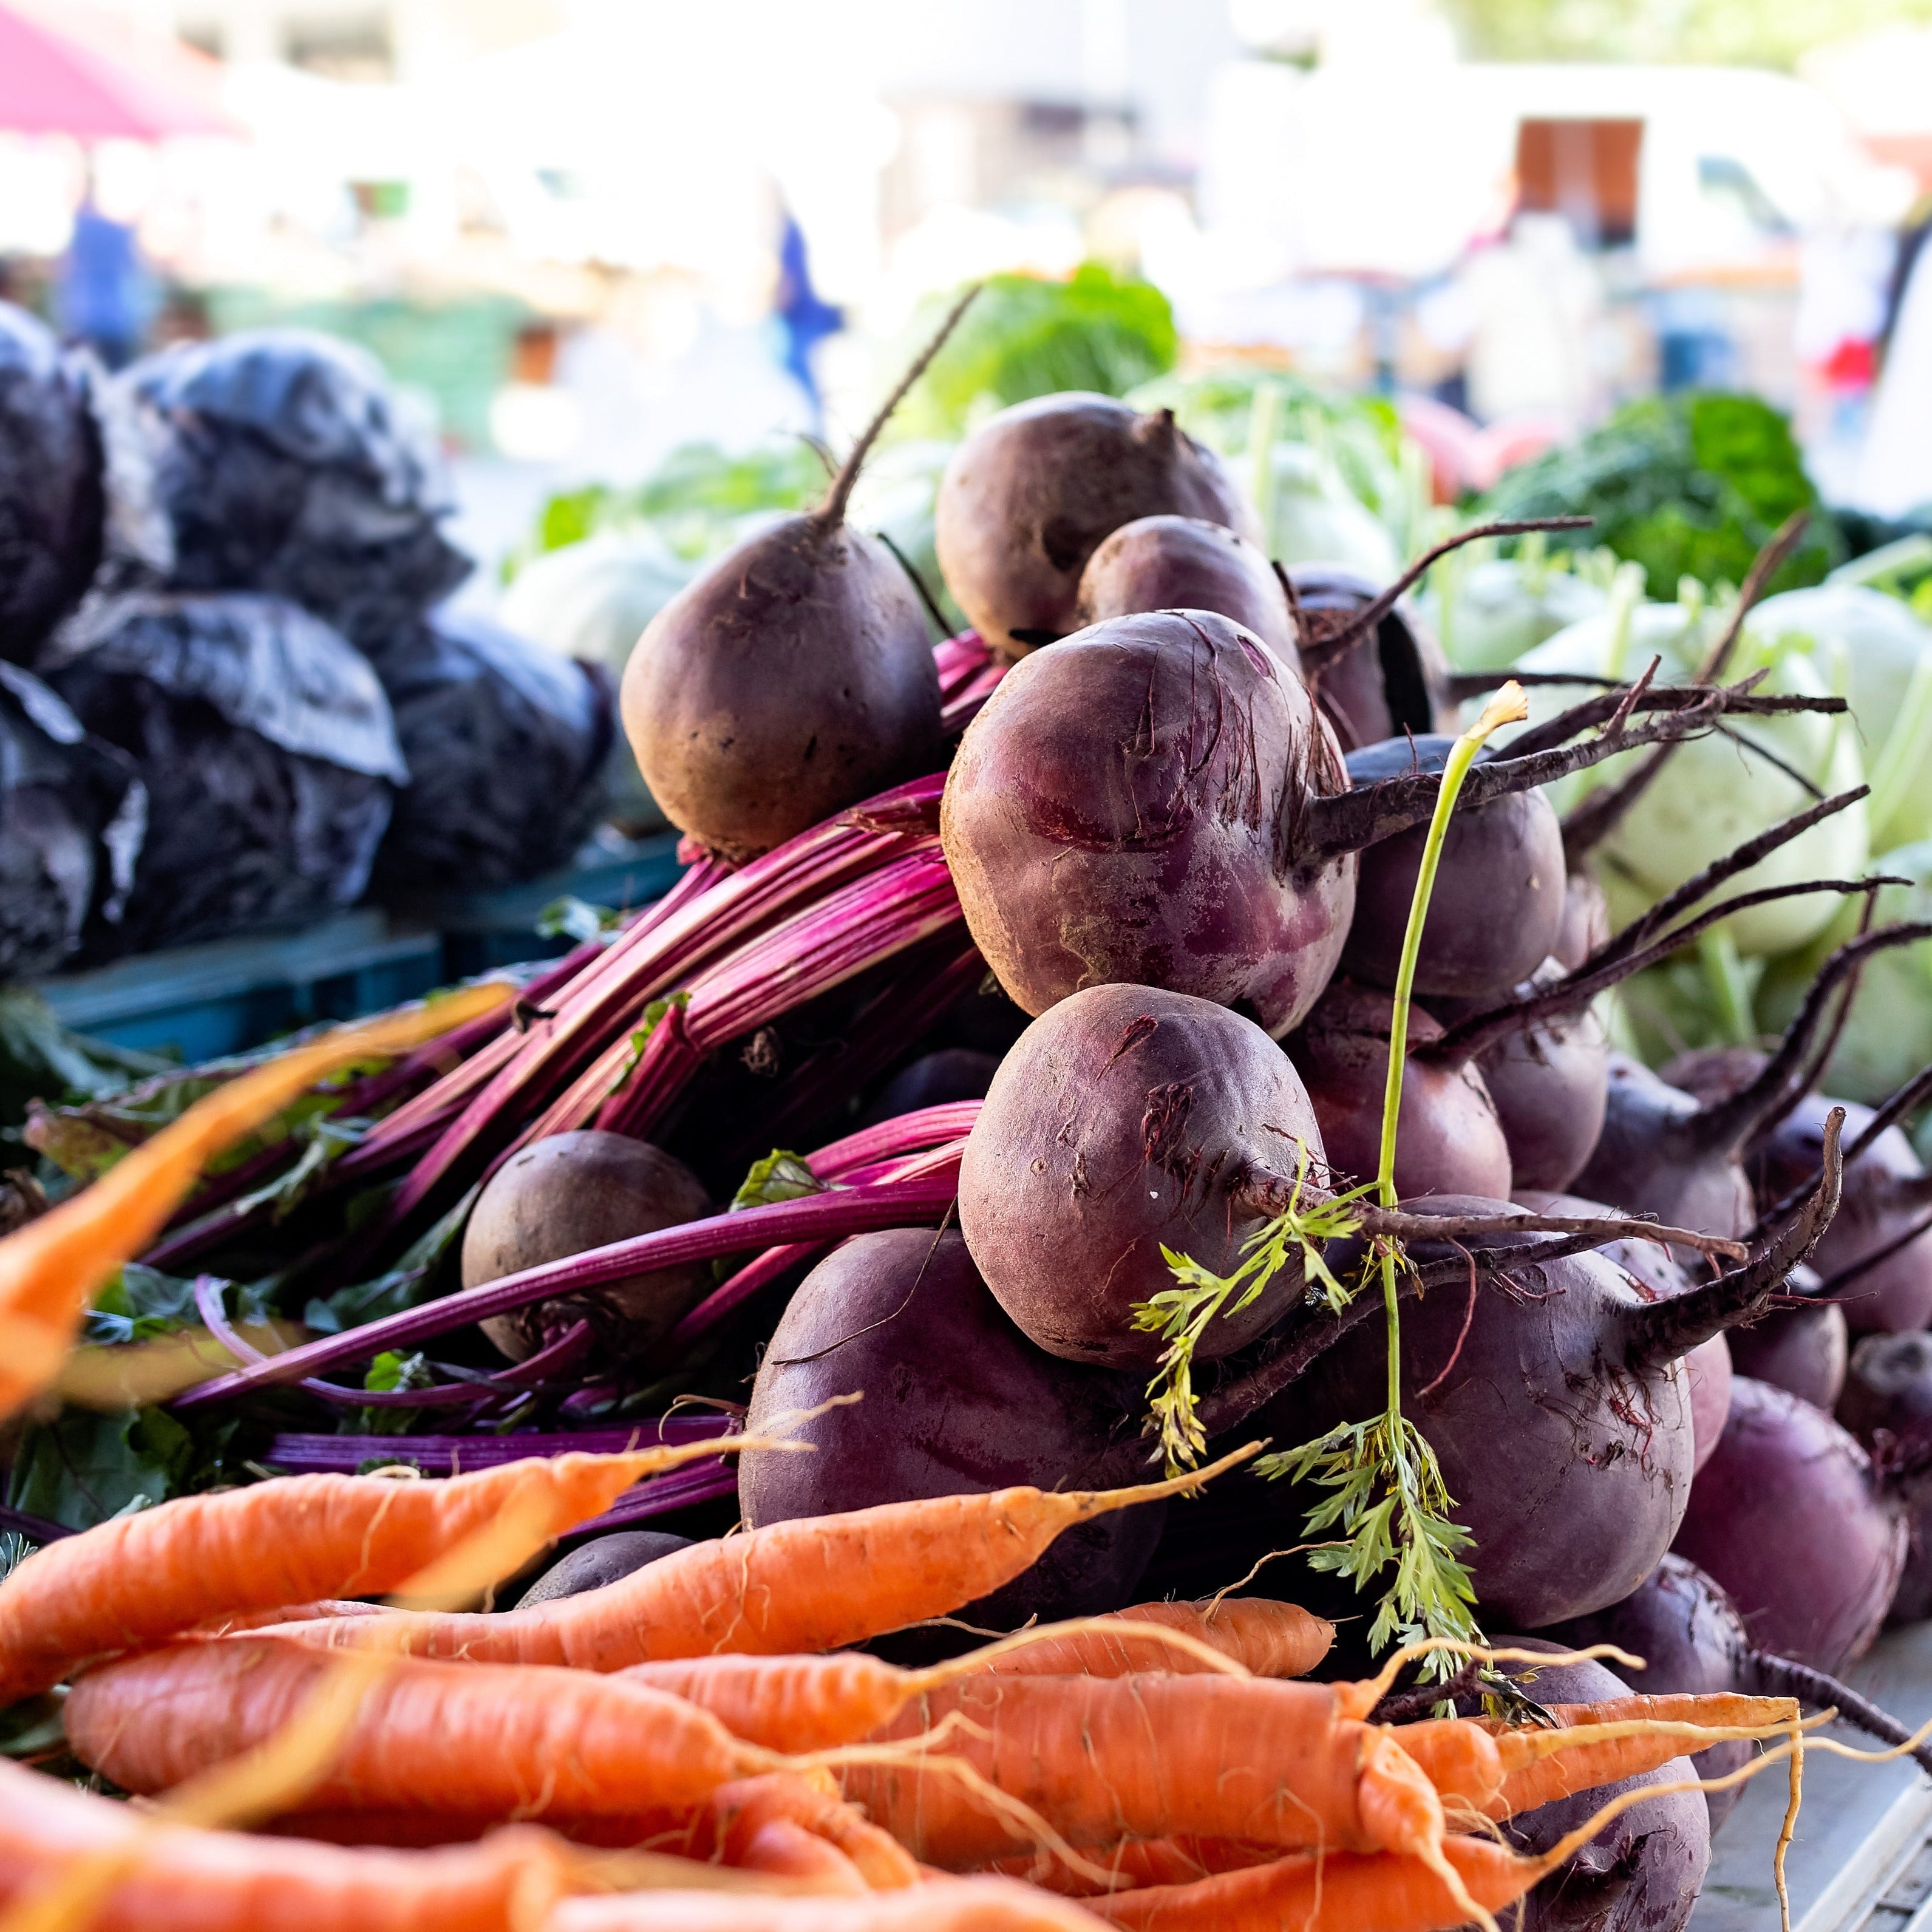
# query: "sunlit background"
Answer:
x=585 y=232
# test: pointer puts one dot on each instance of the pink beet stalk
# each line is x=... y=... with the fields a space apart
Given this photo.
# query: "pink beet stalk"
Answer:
x=615 y=991
x=816 y=1218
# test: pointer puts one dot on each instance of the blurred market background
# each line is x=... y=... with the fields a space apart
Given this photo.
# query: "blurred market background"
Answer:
x=607 y=280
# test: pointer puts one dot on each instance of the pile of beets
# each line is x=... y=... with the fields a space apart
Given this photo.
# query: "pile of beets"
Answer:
x=1070 y=944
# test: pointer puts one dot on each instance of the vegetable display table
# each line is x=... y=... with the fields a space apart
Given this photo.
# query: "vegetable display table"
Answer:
x=1862 y=1858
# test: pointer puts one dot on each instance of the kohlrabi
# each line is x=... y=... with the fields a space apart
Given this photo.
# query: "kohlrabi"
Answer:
x=1491 y=609
x=1721 y=790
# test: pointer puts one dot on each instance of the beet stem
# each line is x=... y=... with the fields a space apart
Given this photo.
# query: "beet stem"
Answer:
x=1325 y=650
x=1761 y=1674
x=1729 y=1124
x=831 y=512
x=1757 y=579
x=1471 y=1037
x=1701 y=885
x=1350 y=820
x=1662 y=1331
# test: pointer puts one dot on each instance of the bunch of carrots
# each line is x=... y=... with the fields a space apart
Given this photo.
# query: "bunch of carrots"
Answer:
x=695 y=1747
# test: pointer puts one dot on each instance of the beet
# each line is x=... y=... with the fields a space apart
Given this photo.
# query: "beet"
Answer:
x=1643 y=1871
x=1127 y=807
x=570 y=1192
x=1028 y=497
x=1553 y=1396
x=934 y=1080
x=1586 y=917
x=1448 y=1138
x=1387 y=682
x=1694 y=1642
x=1887 y=1392
x=957 y=1401
x=1664 y=1152
x=1180 y=563
x=1548 y=1080
x=791 y=678
x=603 y=1560
x=1550 y=1084
x=1497 y=911
x=1792 y=1518
x=1887 y=1194
x=1654 y=1270
x=1802 y=1348
x=1127 y=1119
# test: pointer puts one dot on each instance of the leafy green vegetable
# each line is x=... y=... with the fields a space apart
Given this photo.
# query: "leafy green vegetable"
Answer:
x=577 y=920
x=1026 y=336
x=83 y=1467
x=1689 y=485
x=410 y=1281
x=40 y=1060
x=781 y=1176
x=387 y=1373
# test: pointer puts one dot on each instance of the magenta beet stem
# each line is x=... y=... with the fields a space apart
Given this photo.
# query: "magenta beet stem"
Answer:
x=617 y=988
x=817 y=1217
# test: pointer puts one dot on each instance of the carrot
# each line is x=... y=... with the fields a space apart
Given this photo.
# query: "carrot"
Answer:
x=51 y=1268
x=950 y=1905
x=1269 y=1638
x=486 y=1740
x=743 y=1814
x=1147 y=1757
x=1342 y=1892
x=1484 y=1769
x=183 y=1879
x=1179 y=1860
x=135 y=1579
x=818 y=1583
x=815 y=1703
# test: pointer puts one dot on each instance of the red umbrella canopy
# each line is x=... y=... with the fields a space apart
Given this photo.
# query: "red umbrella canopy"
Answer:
x=87 y=79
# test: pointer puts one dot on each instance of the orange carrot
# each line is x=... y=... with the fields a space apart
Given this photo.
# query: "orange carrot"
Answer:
x=743 y=1814
x=1147 y=1757
x=815 y=1703
x=1342 y=1892
x=818 y=1583
x=484 y=1740
x=135 y=1579
x=1269 y=1638
x=1495 y=1772
x=950 y=1905
x=51 y=1268
x=1180 y=1860
x=181 y=1880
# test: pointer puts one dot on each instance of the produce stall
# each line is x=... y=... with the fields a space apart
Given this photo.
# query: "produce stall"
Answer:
x=1115 y=1286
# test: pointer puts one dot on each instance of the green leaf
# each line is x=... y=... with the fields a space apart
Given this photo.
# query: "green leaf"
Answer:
x=411 y=1281
x=577 y=919
x=782 y=1175
x=139 y=1303
x=83 y=1467
x=391 y=1371
x=1181 y=1315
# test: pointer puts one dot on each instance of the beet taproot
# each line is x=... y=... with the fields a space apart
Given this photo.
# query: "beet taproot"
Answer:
x=1181 y=563
x=791 y=678
x=955 y=1400
x=1797 y=1523
x=1029 y=496
x=569 y=1193
x=1127 y=1119
x=1886 y=1402
x=1449 y=1139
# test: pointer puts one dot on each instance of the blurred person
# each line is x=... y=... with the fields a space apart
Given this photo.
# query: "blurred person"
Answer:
x=1893 y=475
x=104 y=294
x=804 y=319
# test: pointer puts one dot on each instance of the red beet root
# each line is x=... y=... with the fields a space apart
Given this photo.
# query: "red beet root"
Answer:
x=956 y=1401
x=1448 y=1138
x=1028 y=497
x=1792 y=1518
x=1180 y=563
x=1127 y=1119
x=1497 y=909
x=1128 y=808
